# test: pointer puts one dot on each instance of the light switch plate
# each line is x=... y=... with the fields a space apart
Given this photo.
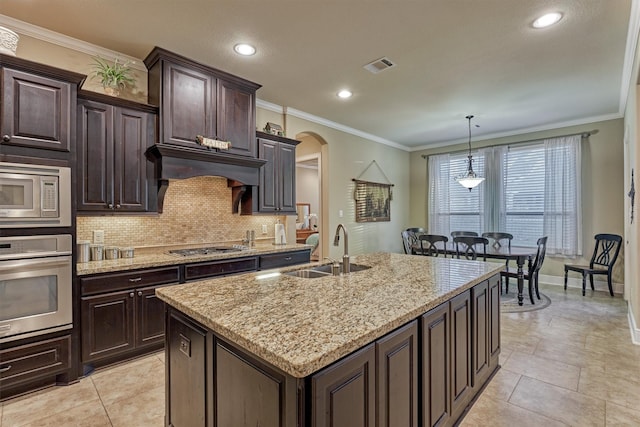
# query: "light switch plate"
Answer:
x=264 y=228
x=98 y=237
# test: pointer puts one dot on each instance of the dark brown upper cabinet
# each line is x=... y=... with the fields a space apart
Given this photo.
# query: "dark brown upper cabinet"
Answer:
x=38 y=107
x=195 y=99
x=276 y=192
x=114 y=175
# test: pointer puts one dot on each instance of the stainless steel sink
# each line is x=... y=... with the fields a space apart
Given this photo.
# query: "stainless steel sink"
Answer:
x=354 y=268
x=322 y=271
x=308 y=274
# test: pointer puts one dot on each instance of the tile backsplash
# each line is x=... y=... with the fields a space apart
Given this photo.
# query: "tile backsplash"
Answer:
x=196 y=210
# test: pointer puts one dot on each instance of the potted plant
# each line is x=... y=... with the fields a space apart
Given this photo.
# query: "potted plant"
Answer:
x=114 y=77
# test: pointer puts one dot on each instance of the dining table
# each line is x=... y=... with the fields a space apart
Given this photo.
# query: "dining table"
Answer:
x=519 y=254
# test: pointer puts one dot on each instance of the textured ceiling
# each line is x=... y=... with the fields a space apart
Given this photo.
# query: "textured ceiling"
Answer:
x=454 y=57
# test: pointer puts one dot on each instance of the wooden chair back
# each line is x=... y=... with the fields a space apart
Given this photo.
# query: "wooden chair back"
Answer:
x=467 y=245
x=455 y=234
x=540 y=254
x=428 y=244
x=497 y=237
x=606 y=250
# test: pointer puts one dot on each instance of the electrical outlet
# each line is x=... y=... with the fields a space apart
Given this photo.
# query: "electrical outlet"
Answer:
x=98 y=237
x=264 y=228
x=340 y=213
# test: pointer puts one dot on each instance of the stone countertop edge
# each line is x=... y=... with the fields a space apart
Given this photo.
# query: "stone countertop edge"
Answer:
x=285 y=321
x=162 y=258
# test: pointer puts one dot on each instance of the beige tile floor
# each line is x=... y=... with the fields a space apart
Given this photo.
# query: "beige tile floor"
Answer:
x=572 y=363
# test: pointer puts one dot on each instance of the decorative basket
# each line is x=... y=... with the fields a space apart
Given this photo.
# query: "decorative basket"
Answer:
x=8 y=41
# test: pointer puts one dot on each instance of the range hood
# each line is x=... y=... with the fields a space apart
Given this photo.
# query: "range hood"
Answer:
x=179 y=162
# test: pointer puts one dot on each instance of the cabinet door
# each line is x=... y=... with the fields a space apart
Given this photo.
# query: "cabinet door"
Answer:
x=95 y=156
x=287 y=178
x=130 y=176
x=436 y=362
x=36 y=111
x=267 y=190
x=149 y=317
x=107 y=325
x=480 y=334
x=344 y=393
x=236 y=117
x=461 y=388
x=186 y=391
x=494 y=324
x=188 y=109
x=397 y=378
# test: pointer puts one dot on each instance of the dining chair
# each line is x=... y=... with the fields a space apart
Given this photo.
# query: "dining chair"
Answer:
x=531 y=275
x=406 y=242
x=604 y=257
x=410 y=238
x=467 y=246
x=455 y=234
x=428 y=245
x=498 y=239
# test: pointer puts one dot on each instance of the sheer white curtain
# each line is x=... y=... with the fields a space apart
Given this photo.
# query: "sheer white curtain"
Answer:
x=495 y=218
x=439 y=177
x=562 y=202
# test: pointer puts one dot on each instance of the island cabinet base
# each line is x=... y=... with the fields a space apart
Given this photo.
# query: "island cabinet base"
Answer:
x=425 y=373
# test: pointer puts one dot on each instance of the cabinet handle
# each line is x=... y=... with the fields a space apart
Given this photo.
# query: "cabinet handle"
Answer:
x=118 y=206
x=5 y=369
x=139 y=293
x=6 y=138
x=287 y=258
x=136 y=279
x=110 y=205
x=131 y=294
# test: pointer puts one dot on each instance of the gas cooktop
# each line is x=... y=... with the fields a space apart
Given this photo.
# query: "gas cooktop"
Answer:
x=208 y=250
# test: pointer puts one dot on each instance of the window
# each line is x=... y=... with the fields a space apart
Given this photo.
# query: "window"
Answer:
x=530 y=191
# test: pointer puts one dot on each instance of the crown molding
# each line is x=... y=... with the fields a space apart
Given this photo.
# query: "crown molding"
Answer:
x=266 y=105
x=24 y=28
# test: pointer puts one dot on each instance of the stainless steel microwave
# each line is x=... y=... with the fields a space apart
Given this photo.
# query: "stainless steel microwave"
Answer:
x=34 y=196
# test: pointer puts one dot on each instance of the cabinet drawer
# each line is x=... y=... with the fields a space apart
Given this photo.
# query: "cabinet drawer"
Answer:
x=219 y=268
x=284 y=259
x=129 y=279
x=32 y=361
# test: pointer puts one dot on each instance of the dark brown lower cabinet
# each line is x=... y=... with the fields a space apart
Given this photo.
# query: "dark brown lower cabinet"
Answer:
x=344 y=394
x=439 y=354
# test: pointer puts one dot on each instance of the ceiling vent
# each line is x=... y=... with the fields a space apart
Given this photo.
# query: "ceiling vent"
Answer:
x=379 y=65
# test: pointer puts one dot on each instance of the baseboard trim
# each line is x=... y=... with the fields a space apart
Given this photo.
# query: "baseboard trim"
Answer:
x=635 y=331
x=573 y=282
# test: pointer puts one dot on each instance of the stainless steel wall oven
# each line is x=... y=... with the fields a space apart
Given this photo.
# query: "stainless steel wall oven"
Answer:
x=35 y=285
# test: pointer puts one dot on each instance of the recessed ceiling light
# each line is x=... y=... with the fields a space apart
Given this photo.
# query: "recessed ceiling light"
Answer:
x=344 y=94
x=244 y=49
x=547 y=20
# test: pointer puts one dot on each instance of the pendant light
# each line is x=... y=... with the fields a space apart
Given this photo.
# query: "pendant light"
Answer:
x=469 y=179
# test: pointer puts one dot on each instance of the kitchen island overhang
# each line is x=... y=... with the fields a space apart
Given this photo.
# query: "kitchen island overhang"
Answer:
x=297 y=327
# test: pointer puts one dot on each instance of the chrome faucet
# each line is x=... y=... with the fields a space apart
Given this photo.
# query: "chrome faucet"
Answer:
x=346 y=268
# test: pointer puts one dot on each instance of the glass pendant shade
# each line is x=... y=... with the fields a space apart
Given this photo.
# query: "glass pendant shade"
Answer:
x=469 y=179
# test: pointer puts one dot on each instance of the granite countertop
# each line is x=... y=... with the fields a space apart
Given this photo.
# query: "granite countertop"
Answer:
x=302 y=325
x=159 y=257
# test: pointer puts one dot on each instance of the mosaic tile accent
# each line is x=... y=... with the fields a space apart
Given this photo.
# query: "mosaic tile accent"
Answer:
x=196 y=210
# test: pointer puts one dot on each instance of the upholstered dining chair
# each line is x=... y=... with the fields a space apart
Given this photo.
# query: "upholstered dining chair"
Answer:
x=499 y=239
x=428 y=244
x=468 y=246
x=604 y=257
x=531 y=275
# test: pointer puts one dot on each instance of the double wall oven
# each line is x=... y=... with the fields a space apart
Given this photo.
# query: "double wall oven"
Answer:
x=35 y=267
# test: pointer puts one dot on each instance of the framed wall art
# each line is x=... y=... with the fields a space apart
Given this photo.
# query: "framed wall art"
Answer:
x=373 y=201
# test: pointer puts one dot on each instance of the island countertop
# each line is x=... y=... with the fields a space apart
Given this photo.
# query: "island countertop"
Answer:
x=301 y=325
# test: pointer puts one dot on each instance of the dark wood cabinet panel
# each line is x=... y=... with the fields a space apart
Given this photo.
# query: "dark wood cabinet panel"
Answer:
x=201 y=270
x=344 y=393
x=283 y=259
x=236 y=117
x=187 y=372
x=397 y=378
x=32 y=361
x=188 y=107
x=36 y=111
x=114 y=174
x=277 y=188
x=461 y=387
x=494 y=324
x=436 y=367
x=149 y=317
x=480 y=334
x=110 y=282
x=107 y=325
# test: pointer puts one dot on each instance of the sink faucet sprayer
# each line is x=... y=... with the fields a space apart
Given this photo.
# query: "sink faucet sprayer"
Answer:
x=345 y=258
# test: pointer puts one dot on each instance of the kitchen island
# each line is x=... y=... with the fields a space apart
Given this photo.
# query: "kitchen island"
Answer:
x=410 y=341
